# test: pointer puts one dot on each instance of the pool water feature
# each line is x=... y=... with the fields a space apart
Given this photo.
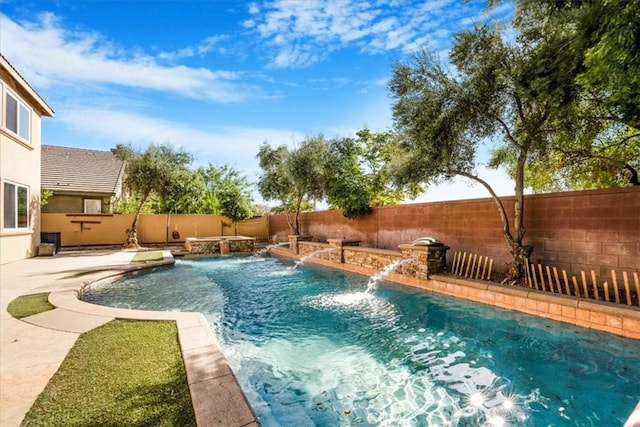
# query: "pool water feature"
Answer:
x=388 y=269
x=310 y=346
x=313 y=254
x=265 y=251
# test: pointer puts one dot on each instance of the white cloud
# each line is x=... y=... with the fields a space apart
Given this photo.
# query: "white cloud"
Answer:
x=48 y=54
x=464 y=188
x=296 y=29
x=253 y=9
x=232 y=145
x=205 y=46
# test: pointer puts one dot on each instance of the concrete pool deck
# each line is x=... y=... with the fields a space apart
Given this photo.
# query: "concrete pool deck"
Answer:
x=33 y=348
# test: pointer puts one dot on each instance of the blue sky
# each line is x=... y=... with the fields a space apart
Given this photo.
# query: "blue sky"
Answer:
x=218 y=78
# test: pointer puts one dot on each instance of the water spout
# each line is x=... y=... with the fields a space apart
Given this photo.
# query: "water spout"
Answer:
x=388 y=269
x=268 y=248
x=312 y=255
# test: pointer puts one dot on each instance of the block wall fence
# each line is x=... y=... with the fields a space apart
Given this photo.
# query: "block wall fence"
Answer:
x=576 y=231
x=159 y=229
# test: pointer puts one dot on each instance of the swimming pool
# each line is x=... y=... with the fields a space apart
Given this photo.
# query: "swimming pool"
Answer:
x=310 y=347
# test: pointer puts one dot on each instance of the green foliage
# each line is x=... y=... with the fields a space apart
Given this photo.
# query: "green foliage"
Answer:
x=609 y=159
x=293 y=177
x=161 y=182
x=123 y=373
x=153 y=171
x=45 y=195
x=227 y=192
x=130 y=205
x=357 y=176
x=602 y=40
x=587 y=51
x=347 y=184
x=498 y=94
x=183 y=194
x=305 y=206
x=28 y=305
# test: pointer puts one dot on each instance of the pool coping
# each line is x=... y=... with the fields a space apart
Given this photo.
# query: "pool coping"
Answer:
x=216 y=396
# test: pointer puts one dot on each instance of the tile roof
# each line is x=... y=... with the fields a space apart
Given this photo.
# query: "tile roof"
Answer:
x=36 y=99
x=80 y=170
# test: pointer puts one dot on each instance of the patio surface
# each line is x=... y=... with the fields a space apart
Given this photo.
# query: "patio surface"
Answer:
x=32 y=349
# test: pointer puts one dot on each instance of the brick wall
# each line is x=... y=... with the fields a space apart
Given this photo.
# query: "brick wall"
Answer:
x=578 y=230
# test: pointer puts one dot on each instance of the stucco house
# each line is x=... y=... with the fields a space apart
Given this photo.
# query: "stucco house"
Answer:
x=82 y=180
x=20 y=139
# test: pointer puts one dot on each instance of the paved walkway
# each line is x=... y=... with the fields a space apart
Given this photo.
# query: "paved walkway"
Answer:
x=32 y=349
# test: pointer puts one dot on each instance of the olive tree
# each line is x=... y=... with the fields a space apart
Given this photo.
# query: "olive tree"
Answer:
x=591 y=49
x=489 y=95
x=293 y=176
x=150 y=171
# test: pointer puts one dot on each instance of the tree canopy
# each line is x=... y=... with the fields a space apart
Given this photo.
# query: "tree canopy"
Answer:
x=293 y=176
x=357 y=176
x=592 y=48
x=493 y=95
x=153 y=170
x=228 y=193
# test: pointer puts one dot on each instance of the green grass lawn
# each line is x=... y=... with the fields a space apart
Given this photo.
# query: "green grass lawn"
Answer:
x=147 y=256
x=125 y=373
x=28 y=305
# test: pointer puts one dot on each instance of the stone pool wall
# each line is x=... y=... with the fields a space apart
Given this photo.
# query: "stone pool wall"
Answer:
x=427 y=260
x=598 y=315
x=219 y=244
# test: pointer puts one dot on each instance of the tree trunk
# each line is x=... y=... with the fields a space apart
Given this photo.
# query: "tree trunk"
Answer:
x=287 y=215
x=132 y=233
x=520 y=254
x=296 y=221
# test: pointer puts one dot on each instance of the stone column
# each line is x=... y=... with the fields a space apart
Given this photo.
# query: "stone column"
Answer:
x=428 y=259
x=419 y=255
x=338 y=244
x=293 y=242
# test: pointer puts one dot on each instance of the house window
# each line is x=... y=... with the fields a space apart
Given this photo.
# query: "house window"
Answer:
x=17 y=117
x=92 y=206
x=16 y=206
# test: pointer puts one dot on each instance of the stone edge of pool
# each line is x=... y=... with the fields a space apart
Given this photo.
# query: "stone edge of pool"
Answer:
x=216 y=395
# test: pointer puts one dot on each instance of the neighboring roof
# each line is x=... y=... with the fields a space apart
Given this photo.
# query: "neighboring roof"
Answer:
x=34 y=97
x=80 y=170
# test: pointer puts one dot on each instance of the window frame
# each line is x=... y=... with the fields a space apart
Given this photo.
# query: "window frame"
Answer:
x=91 y=200
x=16 y=207
x=20 y=110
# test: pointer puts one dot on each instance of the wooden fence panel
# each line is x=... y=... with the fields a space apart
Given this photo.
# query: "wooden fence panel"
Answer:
x=611 y=291
x=471 y=267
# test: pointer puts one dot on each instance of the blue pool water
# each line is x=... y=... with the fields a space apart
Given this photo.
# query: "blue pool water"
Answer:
x=310 y=347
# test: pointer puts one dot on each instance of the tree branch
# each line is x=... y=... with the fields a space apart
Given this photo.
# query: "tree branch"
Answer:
x=501 y=211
